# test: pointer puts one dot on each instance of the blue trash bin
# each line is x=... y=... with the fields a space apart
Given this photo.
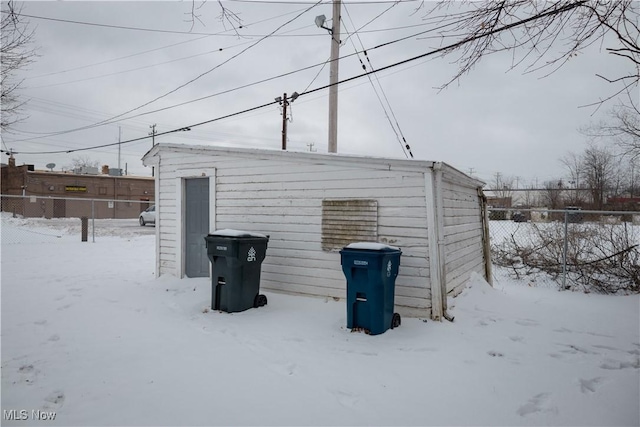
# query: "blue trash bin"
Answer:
x=371 y=270
x=236 y=259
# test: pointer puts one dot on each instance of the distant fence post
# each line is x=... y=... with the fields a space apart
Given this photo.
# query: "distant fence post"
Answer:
x=93 y=221
x=85 y=228
x=566 y=248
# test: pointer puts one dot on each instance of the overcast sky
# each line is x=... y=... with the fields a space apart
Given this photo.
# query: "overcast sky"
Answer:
x=493 y=120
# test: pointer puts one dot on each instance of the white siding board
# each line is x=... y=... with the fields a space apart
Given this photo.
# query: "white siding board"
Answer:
x=452 y=249
x=466 y=235
x=281 y=284
x=288 y=174
x=300 y=183
x=457 y=283
x=460 y=220
x=322 y=193
x=453 y=230
x=393 y=205
x=462 y=231
x=420 y=303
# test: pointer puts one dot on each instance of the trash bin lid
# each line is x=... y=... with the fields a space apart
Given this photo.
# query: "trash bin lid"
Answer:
x=371 y=246
x=228 y=232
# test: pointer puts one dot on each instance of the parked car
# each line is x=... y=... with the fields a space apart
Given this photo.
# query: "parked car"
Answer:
x=574 y=214
x=518 y=217
x=148 y=216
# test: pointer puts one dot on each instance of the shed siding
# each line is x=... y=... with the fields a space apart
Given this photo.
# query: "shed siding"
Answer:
x=284 y=200
x=462 y=230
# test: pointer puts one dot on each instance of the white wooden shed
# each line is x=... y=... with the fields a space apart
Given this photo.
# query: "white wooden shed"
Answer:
x=311 y=205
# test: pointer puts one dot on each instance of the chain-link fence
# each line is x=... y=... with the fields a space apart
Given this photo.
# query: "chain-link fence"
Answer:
x=36 y=218
x=593 y=251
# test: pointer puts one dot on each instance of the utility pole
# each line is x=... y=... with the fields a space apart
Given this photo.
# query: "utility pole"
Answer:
x=284 y=102
x=310 y=145
x=284 y=121
x=119 y=143
x=153 y=143
x=333 y=78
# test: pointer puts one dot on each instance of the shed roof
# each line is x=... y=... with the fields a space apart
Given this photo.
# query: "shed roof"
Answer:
x=309 y=157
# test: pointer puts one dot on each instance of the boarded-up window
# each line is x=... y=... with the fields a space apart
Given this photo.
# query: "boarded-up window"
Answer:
x=347 y=221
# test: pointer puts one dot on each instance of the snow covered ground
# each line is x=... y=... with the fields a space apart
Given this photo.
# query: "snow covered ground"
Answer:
x=89 y=333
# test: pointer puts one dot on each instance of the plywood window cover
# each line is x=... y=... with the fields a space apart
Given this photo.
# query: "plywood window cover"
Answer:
x=346 y=221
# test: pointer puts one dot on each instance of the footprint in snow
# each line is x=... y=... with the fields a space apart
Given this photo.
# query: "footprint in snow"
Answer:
x=55 y=399
x=589 y=386
x=54 y=337
x=574 y=349
x=605 y=347
x=346 y=398
x=516 y=338
x=611 y=364
x=28 y=373
x=537 y=403
x=495 y=354
x=526 y=322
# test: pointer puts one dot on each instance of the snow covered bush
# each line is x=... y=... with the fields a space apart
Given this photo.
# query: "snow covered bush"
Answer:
x=602 y=258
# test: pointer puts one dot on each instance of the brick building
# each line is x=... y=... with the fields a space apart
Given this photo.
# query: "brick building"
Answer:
x=67 y=194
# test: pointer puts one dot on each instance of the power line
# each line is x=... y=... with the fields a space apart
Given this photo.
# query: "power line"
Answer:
x=152 y=30
x=414 y=58
x=160 y=48
x=220 y=34
x=188 y=82
x=112 y=119
x=405 y=147
x=355 y=2
x=396 y=64
x=95 y=64
x=138 y=68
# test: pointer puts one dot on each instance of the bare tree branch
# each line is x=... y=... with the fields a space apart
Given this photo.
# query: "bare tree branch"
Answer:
x=537 y=29
x=16 y=53
x=227 y=17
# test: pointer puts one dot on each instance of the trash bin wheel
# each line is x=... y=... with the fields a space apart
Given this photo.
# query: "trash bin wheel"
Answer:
x=260 y=301
x=395 y=320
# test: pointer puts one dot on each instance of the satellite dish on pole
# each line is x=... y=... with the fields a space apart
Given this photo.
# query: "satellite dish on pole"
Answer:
x=50 y=166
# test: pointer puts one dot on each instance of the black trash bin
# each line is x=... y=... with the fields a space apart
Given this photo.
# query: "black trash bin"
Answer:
x=371 y=270
x=236 y=260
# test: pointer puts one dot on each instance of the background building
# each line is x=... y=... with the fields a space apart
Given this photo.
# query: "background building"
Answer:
x=69 y=194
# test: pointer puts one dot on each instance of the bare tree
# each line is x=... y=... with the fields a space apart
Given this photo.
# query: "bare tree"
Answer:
x=16 y=53
x=503 y=186
x=79 y=162
x=530 y=29
x=598 y=167
x=552 y=195
x=573 y=164
x=530 y=197
x=623 y=127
